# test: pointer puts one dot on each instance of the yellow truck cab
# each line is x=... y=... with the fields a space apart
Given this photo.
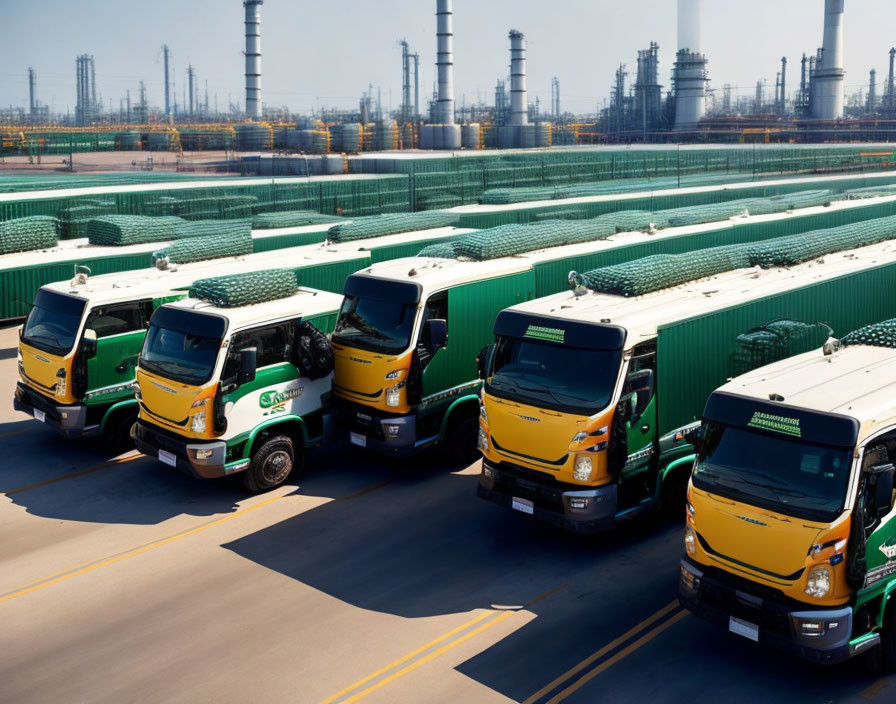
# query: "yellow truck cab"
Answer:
x=222 y=390
x=791 y=529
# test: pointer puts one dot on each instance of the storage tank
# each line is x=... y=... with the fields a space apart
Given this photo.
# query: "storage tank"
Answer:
x=451 y=137
x=471 y=136
x=544 y=134
x=427 y=137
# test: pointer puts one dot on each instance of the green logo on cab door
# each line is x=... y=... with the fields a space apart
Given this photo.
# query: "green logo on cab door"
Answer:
x=268 y=399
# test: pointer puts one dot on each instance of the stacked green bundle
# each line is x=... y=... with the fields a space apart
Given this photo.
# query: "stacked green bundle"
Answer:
x=509 y=240
x=27 y=234
x=74 y=220
x=876 y=335
x=443 y=250
x=660 y=271
x=225 y=207
x=295 y=218
x=162 y=205
x=635 y=220
x=213 y=228
x=571 y=213
x=872 y=192
x=247 y=289
x=198 y=249
x=695 y=215
x=787 y=251
x=123 y=230
x=392 y=224
x=775 y=341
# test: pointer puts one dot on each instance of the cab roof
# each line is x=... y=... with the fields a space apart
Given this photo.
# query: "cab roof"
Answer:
x=643 y=315
x=306 y=303
x=857 y=381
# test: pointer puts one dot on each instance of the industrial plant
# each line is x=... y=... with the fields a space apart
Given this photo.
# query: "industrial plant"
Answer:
x=664 y=98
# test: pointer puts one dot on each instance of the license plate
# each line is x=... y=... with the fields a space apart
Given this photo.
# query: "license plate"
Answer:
x=743 y=628
x=167 y=458
x=523 y=505
x=358 y=439
x=40 y=415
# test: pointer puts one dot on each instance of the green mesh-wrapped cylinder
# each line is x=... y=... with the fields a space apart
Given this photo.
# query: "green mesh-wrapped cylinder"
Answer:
x=444 y=250
x=123 y=230
x=881 y=334
x=295 y=218
x=27 y=234
x=391 y=224
x=509 y=240
x=197 y=249
x=211 y=228
x=246 y=289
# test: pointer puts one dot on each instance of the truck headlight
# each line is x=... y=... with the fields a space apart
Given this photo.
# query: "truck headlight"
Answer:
x=482 y=412
x=583 y=469
x=482 y=443
x=393 y=396
x=690 y=540
x=819 y=582
x=138 y=394
x=197 y=424
x=61 y=385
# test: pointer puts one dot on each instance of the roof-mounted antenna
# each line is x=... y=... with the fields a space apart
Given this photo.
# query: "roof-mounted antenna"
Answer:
x=82 y=273
x=832 y=344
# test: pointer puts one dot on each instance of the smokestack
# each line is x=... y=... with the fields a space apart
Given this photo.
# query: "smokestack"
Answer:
x=32 y=100
x=416 y=87
x=783 y=85
x=167 y=54
x=829 y=91
x=690 y=67
x=891 y=82
x=872 y=92
x=519 y=97
x=253 y=58
x=445 y=62
x=191 y=74
x=405 y=82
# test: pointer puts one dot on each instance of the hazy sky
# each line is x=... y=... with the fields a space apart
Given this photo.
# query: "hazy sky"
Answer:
x=326 y=53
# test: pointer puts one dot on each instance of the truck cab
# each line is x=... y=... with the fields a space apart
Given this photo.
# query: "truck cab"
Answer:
x=223 y=390
x=790 y=528
x=405 y=346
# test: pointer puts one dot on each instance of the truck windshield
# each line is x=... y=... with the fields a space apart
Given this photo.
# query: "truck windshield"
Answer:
x=375 y=324
x=557 y=377
x=182 y=345
x=783 y=474
x=53 y=323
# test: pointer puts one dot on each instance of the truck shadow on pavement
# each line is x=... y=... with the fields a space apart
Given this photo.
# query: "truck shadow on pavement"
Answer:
x=425 y=545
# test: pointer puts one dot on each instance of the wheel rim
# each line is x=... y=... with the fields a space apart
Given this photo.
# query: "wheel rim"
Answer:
x=276 y=467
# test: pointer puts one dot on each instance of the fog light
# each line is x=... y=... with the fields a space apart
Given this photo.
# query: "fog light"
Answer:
x=579 y=503
x=63 y=415
x=690 y=540
x=204 y=454
x=813 y=629
x=393 y=396
x=482 y=444
x=61 y=385
x=197 y=425
x=689 y=579
x=487 y=472
x=583 y=469
x=392 y=430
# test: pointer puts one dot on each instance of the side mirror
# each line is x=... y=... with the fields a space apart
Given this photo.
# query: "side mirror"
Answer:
x=694 y=438
x=881 y=476
x=88 y=344
x=248 y=365
x=435 y=335
x=483 y=360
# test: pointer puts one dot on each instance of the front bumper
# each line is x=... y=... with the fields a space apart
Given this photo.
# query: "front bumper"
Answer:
x=394 y=436
x=716 y=597
x=590 y=510
x=69 y=421
x=154 y=441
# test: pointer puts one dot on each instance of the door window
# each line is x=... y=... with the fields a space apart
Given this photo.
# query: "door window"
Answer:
x=119 y=318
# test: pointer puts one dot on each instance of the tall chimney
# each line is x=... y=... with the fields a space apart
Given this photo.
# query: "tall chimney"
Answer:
x=32 y=100
x=690 y=67
x=783 y=85
x=445 y=61
x=891 y=82
x=519 y=97
x=253 y=58
x=167 y=54
x=829 y=92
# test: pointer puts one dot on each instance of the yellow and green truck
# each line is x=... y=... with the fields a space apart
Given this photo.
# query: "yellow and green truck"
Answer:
x=791 y=531
x=589 y=397
x=227 y=389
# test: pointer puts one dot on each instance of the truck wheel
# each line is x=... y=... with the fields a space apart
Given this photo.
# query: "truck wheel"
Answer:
x=271 y=464
x=461 y=436
x=117 y=435
x=888 y=640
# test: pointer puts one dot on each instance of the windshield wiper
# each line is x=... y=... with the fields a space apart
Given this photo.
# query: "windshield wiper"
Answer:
x=48 y=336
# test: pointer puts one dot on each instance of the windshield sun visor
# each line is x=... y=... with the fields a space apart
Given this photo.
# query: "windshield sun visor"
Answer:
x=372 y=287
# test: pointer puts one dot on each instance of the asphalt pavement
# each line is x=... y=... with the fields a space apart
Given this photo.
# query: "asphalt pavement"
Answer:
x=363 y=579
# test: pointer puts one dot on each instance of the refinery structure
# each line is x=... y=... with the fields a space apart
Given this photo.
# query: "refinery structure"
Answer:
x=658 y=94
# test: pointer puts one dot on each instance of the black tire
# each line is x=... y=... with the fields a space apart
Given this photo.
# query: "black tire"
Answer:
x=888 y=641
x=461 y=436
x=271 y=464
x=117 y=435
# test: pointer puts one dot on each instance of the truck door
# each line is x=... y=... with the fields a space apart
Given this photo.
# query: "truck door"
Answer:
x=120 y=329
x=878 y=528
x=639 y=391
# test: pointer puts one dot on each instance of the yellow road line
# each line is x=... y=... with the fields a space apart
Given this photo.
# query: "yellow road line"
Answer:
x=409 y=656
x=16 y=432
x=431 y=656
x=62 y=577
x=646 y=638
x=591 y=659
x=72 y=475
x=875 y=689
